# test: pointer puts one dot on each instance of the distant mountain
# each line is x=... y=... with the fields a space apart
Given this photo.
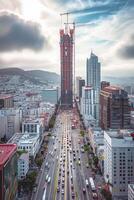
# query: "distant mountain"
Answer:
x=44 y=75
x=35 y=76
x=119 y=80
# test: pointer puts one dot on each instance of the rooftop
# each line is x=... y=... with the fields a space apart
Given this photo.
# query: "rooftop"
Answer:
x=6 y=150
x=23 y=138
x=121 y=134
x=5 y=96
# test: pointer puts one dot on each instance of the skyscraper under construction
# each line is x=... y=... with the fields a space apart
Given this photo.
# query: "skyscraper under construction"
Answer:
x=66 y=61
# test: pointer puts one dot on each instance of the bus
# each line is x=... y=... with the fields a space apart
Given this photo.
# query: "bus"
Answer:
x=93 y=188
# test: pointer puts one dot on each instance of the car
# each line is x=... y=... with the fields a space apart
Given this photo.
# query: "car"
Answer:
x=59 y=181
x=84 y=190
x=49 y=179
x=71 y=178
x=95 y=196
x=87 y=165
x=79 y=158
x=62 y=192
x=87 y=183
x=62 y=185
x=58 y=189
x=79 y=162
x=72 y=187
x=34 y=189
x=73 y=194
x=74 y=158
x=46 y=165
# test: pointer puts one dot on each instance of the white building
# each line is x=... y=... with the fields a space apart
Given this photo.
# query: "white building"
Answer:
x=93 y=79
x=77 y=85
x=34 y=126
x=119 y=162
x=28 y=142
x=131 y=192
x=10 y=122
x=23 y=165
x=96 y=137
x=89 y=104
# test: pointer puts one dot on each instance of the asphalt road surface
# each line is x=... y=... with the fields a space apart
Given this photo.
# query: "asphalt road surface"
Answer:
x=64 y=171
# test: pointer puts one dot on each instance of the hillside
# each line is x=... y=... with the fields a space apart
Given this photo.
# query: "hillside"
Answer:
x=35 y=76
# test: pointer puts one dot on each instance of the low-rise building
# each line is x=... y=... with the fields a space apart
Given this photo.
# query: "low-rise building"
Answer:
x=119 y=162
x=34 y=126
x=28 y=142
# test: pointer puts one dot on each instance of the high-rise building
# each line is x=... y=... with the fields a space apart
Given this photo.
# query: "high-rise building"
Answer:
x=93 y=72
x=131 y=191
x=104 y=84
x=77 y=85
x=81 y=84
x=8 y=172
x=114 y=108
x=66 y=60
x=93 y=79
x=6 y=101
x=119 y=162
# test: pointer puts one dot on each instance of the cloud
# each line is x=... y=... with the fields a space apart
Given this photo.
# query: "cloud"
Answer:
x=18 y=34
x=126 y=51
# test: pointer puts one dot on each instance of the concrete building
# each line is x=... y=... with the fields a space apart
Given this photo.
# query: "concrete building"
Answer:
x=79 y=84
x=8 y=172
x=119 y=162
x=23 y=165
x=6 y=101
x=29 y=142
x=104 y=84
x=96 y=137
x=10 y=122
x=34 y=126
x=89 y=104
x=114 y=108
x=86 y=104
x=66 y=60
x=93 y=78
x=131 y=192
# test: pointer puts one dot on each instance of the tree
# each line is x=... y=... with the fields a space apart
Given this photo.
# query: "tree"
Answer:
x=96 y=160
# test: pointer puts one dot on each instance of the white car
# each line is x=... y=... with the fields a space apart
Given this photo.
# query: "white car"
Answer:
x=49 y=179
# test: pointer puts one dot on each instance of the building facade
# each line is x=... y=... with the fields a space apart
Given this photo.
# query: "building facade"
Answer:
x=131 y=192
x=104 y=84
x=66 y=61
x=93 y=78
x=23 y=165
x=8 y=171
x=10 y=122
x=6 y=101
x=119 y=162
x=114 y=108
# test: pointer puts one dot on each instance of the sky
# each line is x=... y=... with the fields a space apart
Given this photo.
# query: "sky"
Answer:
x=29 y=34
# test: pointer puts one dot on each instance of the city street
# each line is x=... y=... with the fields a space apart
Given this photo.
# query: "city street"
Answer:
x=65 y=172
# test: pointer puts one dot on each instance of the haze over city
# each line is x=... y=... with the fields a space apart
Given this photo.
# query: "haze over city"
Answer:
x=29 y=34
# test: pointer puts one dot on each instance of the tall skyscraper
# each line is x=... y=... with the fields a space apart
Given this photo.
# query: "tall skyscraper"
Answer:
x=77 y=85
x=114 y=108
x=93 y=80
x=93 y=72
x=66 y=59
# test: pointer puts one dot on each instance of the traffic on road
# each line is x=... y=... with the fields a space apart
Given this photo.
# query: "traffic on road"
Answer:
x=65 y=173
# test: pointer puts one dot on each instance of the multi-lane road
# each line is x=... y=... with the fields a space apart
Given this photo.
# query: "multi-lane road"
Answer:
x=65 y=173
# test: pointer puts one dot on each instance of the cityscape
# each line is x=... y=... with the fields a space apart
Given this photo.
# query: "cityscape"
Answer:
x=66 y=100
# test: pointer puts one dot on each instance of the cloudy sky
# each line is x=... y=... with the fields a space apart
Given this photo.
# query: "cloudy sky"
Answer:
x=29 y=34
